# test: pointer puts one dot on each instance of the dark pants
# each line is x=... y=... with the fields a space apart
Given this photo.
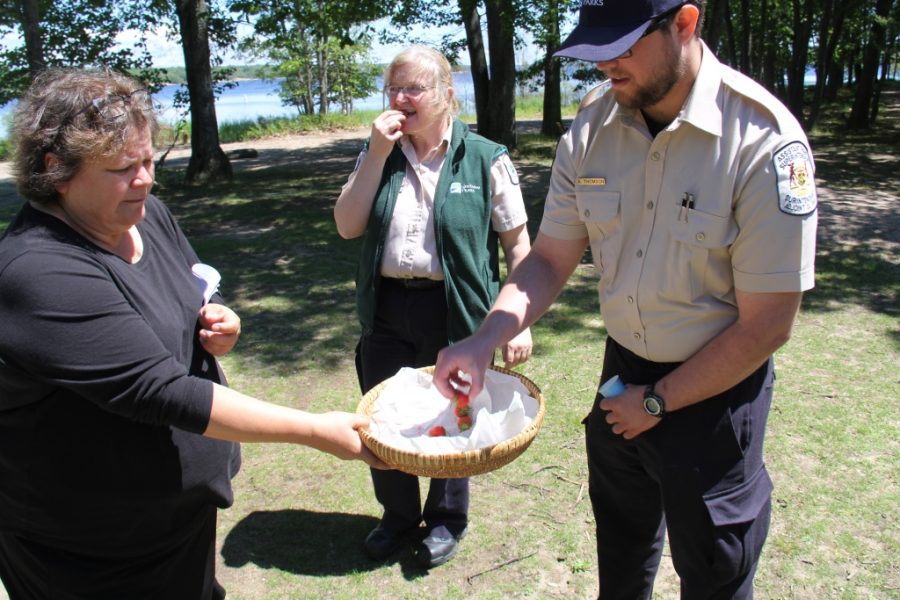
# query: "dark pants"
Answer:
x=410 y=328
x=181 y=570
x=699 y=474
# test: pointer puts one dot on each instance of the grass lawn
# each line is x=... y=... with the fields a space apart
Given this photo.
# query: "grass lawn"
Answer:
x=299 y=516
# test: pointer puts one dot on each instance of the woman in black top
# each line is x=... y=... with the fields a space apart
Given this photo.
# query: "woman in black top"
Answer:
x=117 y=433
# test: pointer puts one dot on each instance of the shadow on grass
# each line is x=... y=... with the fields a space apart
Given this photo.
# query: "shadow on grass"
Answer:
x=285 y=270
x=857 y=260
x=858 y=175
x=303 y=542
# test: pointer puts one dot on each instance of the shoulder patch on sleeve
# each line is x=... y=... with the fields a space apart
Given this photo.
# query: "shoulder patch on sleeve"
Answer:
x=795 y=177
x=510 y=169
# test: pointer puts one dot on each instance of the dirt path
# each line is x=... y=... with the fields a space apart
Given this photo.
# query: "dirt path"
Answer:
x=276 y=147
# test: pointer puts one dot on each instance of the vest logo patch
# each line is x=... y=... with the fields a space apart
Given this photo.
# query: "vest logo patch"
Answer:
x=796 y=186
x=463 y=188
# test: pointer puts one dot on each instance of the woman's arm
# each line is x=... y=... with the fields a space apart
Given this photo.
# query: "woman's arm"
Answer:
x=351 y=212
x=239 y=418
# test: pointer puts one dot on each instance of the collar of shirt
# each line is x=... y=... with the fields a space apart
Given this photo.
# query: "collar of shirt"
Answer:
x=409 y=151
x=701 y=109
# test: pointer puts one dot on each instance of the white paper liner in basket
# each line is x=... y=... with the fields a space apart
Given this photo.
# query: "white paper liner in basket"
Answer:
x=507 y=416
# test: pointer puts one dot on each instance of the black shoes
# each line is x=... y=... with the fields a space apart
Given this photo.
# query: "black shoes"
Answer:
x=439 y=547
x=436 y=549
x=383 y=542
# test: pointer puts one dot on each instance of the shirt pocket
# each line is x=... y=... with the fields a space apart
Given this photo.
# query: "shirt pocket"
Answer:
x=700 y=258
x=599 y=211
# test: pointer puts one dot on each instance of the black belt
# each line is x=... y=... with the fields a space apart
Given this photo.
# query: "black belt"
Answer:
x=415 y=283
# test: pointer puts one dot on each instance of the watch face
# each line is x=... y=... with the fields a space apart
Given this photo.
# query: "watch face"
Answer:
x=652 y=406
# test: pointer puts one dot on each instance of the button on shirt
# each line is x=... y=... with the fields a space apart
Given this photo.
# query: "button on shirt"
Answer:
x=677 y=222
x=410 y=248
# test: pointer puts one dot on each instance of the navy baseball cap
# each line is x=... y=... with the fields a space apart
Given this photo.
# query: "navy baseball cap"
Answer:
x=607 y=28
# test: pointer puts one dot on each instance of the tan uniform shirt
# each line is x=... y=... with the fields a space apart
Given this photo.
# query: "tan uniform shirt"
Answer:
x=411 y=249
x=722 y=198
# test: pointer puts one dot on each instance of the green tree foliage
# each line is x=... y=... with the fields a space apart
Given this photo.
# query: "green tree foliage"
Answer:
x=67 y=33
x=319 y=47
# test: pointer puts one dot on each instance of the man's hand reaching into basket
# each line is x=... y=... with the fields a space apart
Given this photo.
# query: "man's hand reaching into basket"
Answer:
x=462 y=366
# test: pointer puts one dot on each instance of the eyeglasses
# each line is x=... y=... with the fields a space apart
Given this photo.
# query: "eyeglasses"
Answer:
x=109 y=108
x=114 y=106
x=660 y=22
x=410 y=91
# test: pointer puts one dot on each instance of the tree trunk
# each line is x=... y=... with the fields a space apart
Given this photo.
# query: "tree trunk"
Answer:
x=322 y=60
x=731 y=44
x=767 y=75
x=802 y=30
x=31 y=30
x=481 y=82
x=712 y=24
x=551 y=123
x=744 y=65
x=835 y=81
x=861 y=113
x=501 y=48
x=830 y=31
x=208 y=161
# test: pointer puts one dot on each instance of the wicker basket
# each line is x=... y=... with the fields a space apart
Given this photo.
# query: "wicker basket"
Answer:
x=456 y=464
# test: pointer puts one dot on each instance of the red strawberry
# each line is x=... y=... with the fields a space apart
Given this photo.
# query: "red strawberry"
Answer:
x=461 y=410
x=437 y=431
x=462 y=399
x=464 y=422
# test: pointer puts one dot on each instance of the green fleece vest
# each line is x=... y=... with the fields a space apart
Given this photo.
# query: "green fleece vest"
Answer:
x=467 y=244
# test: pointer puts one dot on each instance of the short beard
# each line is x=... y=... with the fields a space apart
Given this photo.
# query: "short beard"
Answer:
x=663 y=82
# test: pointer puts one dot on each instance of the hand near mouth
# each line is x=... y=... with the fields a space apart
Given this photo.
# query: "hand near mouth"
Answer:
x=386 y=130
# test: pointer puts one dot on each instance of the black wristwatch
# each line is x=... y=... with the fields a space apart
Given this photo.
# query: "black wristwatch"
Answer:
x=654 y=403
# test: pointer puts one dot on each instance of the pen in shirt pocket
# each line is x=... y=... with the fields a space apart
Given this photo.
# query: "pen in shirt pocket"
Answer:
x=687 y=205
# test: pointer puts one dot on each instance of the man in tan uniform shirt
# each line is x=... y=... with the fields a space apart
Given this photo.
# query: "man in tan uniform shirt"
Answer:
x=694 y=188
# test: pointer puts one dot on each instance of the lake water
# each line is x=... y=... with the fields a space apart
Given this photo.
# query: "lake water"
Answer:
x=254 y=98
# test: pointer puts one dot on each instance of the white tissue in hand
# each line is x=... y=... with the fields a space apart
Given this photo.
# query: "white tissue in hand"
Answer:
x=207 y=278
x=409 y=405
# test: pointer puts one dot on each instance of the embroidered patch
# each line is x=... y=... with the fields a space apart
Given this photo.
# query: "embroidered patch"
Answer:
x=600 y=181
x=510 y=169
x=463 y=188
x=796 y=186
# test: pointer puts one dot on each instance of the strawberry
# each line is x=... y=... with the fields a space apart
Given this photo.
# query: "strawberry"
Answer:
x=437 y=431
x=462 y=400
x=461 y=410
x=464 y=422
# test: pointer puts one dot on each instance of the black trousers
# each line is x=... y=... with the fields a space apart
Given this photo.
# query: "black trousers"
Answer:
x=410 y=328
x=182 y=570
x=699 y=475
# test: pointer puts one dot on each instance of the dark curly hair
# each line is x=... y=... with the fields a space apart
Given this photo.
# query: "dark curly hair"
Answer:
x=77 y=115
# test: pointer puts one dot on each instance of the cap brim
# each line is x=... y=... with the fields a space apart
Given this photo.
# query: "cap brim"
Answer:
x=599 y=44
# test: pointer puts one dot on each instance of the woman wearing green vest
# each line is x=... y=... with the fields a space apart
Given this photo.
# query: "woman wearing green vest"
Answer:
x=434 y=203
